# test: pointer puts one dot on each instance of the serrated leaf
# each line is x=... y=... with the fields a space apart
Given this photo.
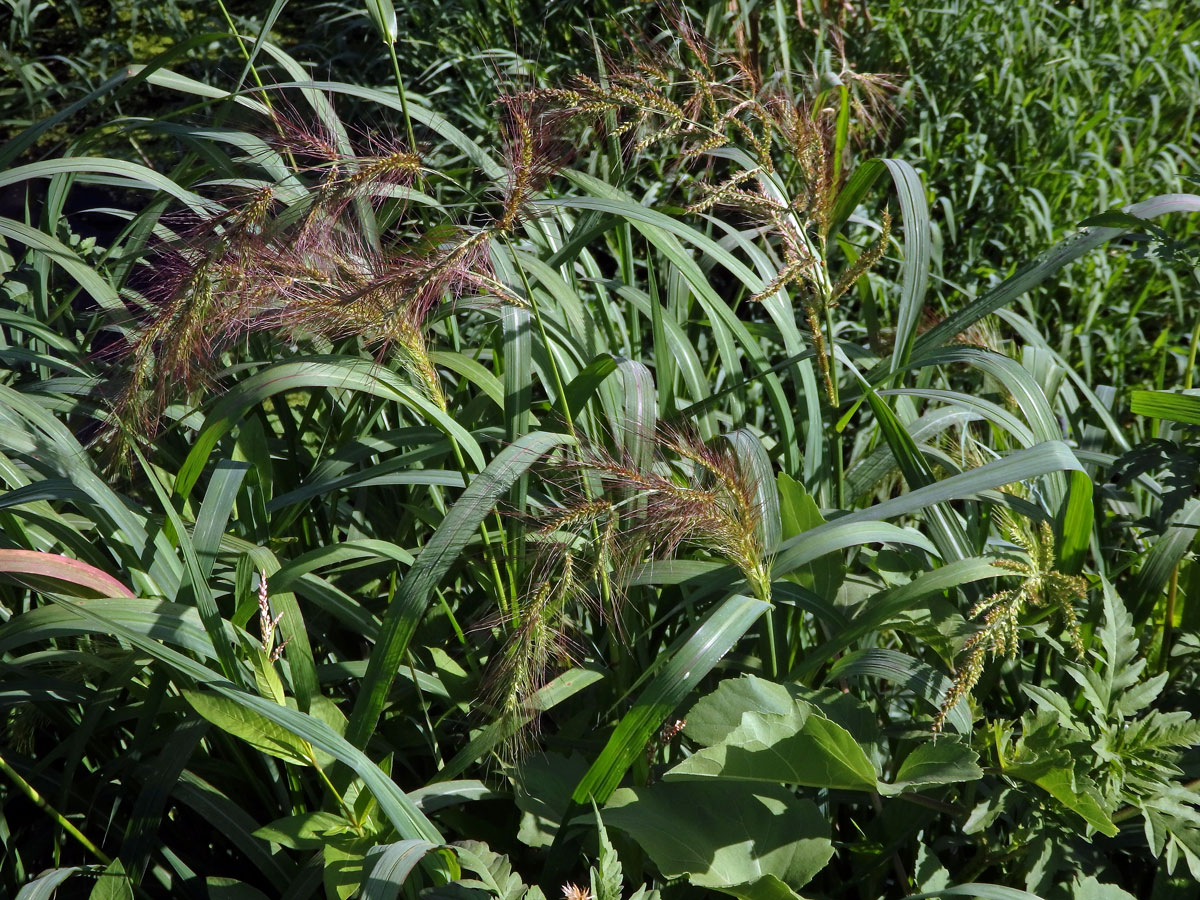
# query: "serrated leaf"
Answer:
x=606 y=874
x=1052 y=700
x=494 y=869
x=1076 y=794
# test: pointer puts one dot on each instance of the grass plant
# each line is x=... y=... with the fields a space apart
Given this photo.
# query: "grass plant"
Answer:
x=667 y=475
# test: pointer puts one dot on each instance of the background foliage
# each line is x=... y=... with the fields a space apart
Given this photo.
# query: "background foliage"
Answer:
x=479 y=449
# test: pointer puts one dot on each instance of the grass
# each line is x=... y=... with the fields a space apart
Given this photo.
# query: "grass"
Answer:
x=620 y=483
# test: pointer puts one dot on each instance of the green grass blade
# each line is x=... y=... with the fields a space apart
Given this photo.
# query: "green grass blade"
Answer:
x=1169 y=405
x=435 y=559
x=194 y=586
x=682 y=671
x=1037 y=271
x=315 y=372
x=409 y=821
x=54 y=250
x=838 y=535
x=61 y=570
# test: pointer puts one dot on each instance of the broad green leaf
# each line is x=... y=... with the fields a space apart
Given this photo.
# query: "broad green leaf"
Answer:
x=1176 y=407
x=112 y=884
x=766 y=888
x=543 y=785
x=943 y=761
x=977 y=892
x=715 y=715
x=166 y=78
x=304 y=831
x=1089 y=888
x=799 y=746
x=344 y=871
x=799 y=513
x=639 y=418
x=721 y=835
x=253 y=728
x=683 y=669
x=221 y=888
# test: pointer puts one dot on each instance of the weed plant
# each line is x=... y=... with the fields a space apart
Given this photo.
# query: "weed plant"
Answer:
x=603 y=492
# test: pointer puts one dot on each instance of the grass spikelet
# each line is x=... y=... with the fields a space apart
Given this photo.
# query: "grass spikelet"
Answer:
x=865 y=261
x=1042 y=585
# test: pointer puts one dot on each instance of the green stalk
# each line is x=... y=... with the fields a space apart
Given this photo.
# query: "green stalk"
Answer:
x=32 y=793
x=345 y=807
x=262 y=89
x=836 y=449
x=488 y=549
x=1164 y=647
x=560 y=389
x=408 y=129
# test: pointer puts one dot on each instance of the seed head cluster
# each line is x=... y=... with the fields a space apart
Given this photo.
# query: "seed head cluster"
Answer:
x=1041 y=585
x=690 y=493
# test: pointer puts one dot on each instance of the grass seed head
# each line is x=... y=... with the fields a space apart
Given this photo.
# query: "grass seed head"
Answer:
x=1042 y=585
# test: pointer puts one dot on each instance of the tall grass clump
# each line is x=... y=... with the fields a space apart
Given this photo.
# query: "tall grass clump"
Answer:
x=600 y=487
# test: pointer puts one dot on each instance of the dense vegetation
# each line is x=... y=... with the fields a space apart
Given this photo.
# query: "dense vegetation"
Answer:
x=479 y=450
